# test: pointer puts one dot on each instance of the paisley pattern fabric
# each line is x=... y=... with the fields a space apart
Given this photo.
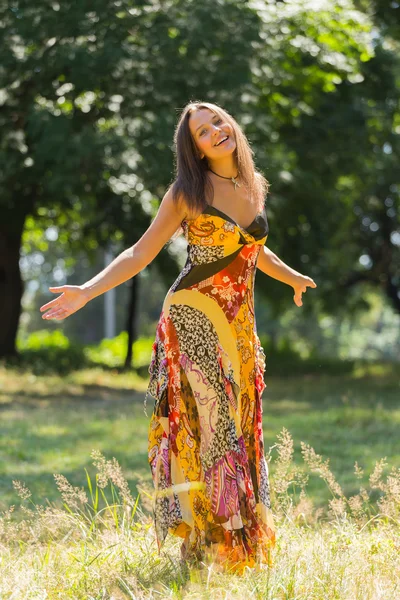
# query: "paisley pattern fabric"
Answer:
x=206 y=448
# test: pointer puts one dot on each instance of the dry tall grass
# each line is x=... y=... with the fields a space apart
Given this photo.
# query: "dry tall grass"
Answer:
x=100 y=545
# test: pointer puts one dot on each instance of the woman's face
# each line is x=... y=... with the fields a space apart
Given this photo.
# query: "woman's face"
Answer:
x=208 y=130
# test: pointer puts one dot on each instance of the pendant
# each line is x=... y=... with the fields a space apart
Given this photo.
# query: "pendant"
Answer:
x=235 y=182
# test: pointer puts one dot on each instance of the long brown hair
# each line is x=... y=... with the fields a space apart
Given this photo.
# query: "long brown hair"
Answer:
x=191 y=184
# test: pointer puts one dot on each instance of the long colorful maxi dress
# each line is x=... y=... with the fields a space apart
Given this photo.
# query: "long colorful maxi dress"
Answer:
x=206 y=448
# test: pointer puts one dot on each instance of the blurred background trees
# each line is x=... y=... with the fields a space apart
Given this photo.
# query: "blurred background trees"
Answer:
x=90 y=95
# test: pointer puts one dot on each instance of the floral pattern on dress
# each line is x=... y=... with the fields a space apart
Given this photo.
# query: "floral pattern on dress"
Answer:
x=206 y=449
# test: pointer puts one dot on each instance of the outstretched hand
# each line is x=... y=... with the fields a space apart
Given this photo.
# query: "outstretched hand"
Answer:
x=300 y=287
x=72 y=298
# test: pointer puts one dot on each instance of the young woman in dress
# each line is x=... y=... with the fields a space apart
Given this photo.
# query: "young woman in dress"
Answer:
x=206 y=449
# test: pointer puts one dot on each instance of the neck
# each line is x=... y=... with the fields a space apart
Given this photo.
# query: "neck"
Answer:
x=226 y=167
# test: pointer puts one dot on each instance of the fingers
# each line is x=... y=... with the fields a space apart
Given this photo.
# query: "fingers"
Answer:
x=53 y=304
x=297 y=298
x=56 y=314
x=54 y=308
x=310 y=283
x=299 y=290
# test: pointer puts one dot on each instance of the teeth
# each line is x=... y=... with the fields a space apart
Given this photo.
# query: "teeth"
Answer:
x=225 y=138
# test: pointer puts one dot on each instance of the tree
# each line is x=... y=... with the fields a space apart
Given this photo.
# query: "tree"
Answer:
x=87 y=116
x=332 y=112
x=82 y=91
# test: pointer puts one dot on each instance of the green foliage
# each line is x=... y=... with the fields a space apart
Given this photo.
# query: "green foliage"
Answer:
x=45 y=339
x=44 y=352
x=47 y=351
x=112 y=352
x=89 y=101
x=283 y=361
x=50 y=351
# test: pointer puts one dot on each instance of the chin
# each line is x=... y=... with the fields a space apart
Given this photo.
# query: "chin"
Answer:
x=229 y=151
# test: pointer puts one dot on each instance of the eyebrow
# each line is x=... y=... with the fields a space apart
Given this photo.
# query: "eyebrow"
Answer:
x=215 y=115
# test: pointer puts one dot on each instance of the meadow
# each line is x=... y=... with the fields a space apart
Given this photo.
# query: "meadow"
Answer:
x=75 y=490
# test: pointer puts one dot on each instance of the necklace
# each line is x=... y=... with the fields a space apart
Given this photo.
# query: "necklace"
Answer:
x=233 y=179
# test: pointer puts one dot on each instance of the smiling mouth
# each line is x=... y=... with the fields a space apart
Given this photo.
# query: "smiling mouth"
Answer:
x=223 y=141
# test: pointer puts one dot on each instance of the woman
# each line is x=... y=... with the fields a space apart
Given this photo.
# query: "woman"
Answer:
x=206 y=447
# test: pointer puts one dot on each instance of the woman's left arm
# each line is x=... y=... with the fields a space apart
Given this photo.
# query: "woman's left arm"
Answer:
x=270 y=264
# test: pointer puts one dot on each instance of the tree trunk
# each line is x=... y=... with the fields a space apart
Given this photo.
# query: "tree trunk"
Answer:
x=131 y=324
x=393 y=293
x=11 y=284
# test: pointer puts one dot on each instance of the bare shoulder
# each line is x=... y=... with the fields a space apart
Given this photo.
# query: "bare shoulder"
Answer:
x=177 y=206
x=165 y=224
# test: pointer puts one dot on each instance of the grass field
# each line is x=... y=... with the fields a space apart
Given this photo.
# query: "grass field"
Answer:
x=51 y=424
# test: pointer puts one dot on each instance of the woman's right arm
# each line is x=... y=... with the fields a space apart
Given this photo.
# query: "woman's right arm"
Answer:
x=127 y=264
x=134 y=259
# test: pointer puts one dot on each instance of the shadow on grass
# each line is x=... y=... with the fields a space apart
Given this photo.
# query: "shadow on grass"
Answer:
x=62 y=361
x=89 y=392
x=344 y=419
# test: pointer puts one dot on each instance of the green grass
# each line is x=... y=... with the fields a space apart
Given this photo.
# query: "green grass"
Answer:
x=103 y=547
x=49 y=424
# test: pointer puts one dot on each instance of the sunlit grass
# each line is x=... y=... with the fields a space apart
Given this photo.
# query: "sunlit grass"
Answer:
x=72 y=547
x=100 y=543
x=51 y=423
